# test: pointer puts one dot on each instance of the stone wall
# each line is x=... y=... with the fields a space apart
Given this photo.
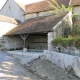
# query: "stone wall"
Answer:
x=65 y=22
x=77 y=23
x=33 y=15
x=11 y=43
x=60 y=59
x=58 y=29
x=38 y=42
x=29 y=16
x=65 y=61
x=76 y=10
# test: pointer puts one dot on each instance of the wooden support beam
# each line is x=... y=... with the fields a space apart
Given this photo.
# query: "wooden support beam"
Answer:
x=24 y=37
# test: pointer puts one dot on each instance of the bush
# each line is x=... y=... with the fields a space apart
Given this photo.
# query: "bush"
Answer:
x=75 y=30
x=67 y=31
x=64 y=42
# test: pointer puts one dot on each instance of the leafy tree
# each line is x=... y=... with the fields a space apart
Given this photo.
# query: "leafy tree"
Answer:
x=59 y=8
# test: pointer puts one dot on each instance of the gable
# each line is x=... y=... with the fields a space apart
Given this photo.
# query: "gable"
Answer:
x=21 y=5
x=11 y=9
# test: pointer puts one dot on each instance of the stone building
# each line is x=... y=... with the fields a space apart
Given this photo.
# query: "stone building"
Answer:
x=41 y=30
x=41 y=8
x=41 y=26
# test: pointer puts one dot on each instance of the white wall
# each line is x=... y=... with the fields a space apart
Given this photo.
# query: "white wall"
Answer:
x=33 y=15
x=9 y=42
x=11 y=9
x=5 y=27
x=76 y=10
x=50 y=38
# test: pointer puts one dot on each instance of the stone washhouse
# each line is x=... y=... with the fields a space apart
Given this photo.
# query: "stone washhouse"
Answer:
x=38 y=26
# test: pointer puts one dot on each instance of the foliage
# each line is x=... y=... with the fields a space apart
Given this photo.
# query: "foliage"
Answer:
x=74 y=16
x=67 y=31
x=71 y=36
x=70 y=41
x=75 y=31
x=60 y=8
x=77 y=43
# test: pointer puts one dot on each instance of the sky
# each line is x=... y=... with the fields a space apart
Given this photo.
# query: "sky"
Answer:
x=29 y=1
x=22 y=1
x=2 y=3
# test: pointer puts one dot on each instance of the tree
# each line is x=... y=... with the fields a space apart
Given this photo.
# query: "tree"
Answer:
x=58 y=8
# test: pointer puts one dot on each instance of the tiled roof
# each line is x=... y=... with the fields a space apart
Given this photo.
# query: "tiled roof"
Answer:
x=37 y=25
x=75 y=2
x=43 y=6
x=8 y=19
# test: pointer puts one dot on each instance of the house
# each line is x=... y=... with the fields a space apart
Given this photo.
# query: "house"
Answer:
x=38 y=30
x=76 y=6
x=11 y=9
x=7 y=24
x=41 y=8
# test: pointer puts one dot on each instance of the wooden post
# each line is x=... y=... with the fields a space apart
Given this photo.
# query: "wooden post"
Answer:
x=24 y=37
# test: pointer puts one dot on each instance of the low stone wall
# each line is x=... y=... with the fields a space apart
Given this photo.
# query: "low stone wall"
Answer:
x=62 y=60
x=65 y=61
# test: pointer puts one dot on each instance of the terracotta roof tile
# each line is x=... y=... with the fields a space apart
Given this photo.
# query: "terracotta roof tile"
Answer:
x=75 y=2
x=43 y=6
x=37 y=25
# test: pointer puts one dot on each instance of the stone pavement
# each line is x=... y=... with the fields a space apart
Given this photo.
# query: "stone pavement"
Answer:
x=10 y=69
x=25 y=57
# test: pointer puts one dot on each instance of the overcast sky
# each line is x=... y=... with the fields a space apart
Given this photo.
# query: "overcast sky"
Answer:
x=2 y=3
x=29 y=1
x=22 y=1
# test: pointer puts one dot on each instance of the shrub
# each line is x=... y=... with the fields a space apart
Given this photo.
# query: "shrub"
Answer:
x=64 y=42
x=67 y=31
x=75 y=30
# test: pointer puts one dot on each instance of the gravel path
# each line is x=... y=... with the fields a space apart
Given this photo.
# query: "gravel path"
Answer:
x=10 y=69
